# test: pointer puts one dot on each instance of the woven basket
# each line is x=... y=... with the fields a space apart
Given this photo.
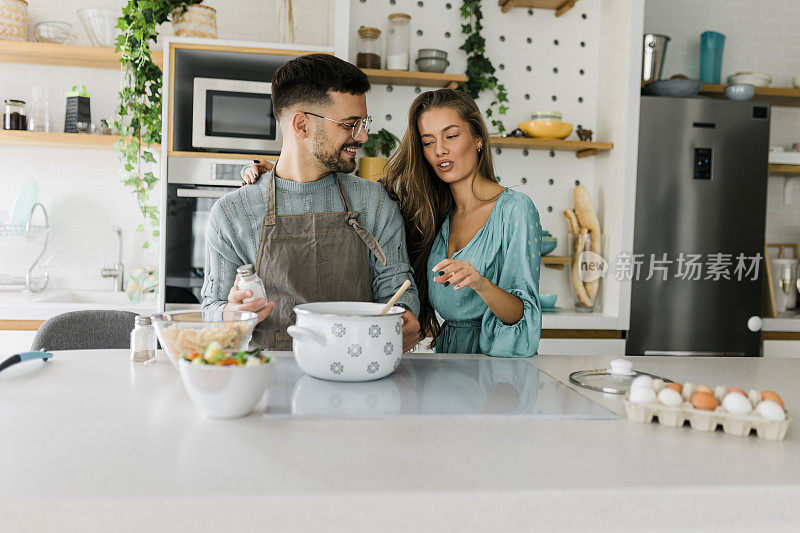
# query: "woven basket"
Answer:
x=197 y=21
x=14 y=20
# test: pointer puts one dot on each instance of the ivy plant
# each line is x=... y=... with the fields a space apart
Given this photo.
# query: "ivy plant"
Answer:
x=480 y=71
x=139 y=110
x=384 y=142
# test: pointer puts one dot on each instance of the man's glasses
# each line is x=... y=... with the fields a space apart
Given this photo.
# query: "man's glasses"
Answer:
x=356 y=128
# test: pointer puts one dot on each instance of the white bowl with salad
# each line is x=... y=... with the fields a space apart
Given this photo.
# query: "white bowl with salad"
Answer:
x=225 y=383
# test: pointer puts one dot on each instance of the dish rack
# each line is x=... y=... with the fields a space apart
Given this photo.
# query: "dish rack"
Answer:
x=37 y=235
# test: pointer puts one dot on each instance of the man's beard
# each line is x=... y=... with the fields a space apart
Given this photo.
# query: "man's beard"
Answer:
x=333 y=161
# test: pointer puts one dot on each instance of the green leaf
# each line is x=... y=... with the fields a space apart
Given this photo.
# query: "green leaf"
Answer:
x=480 y=71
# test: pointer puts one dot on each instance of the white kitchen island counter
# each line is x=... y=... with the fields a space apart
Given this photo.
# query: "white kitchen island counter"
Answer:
x=91 y=443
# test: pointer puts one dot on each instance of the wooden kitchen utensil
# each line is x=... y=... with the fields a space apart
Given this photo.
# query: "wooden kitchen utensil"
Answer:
x=396 y=296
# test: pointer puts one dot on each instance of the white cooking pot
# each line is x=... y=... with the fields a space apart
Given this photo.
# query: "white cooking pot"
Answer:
x=347 y=341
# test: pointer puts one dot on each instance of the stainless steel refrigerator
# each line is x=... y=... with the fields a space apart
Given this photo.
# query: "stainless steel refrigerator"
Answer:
x=701 y=191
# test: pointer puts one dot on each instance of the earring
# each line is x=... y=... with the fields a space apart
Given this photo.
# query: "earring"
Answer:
x=480 y=148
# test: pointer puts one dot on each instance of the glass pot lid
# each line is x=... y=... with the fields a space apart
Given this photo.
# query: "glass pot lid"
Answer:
x=614 y=380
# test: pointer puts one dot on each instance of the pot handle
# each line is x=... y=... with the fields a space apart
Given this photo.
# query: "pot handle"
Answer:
x=306 y=334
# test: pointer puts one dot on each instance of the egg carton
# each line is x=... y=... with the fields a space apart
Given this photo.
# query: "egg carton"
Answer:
x=732 y=424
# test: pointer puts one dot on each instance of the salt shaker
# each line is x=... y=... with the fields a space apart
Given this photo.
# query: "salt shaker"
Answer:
x=249 y=280
x=143 y=341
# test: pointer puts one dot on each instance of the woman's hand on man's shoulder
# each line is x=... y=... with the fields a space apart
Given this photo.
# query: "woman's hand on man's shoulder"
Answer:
x=256 y=169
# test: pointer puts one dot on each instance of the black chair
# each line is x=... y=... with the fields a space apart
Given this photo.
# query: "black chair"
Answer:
x=85 y=330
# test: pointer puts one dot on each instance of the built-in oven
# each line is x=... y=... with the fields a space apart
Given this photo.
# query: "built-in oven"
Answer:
x=234 y=116
x=193 y=186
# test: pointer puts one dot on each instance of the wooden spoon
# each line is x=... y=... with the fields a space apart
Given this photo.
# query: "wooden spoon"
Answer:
x=396 y=296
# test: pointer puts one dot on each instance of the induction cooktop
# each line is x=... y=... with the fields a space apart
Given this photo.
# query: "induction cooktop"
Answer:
x=430 y=387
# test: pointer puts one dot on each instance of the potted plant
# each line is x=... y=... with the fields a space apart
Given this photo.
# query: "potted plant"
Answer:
x=371 y=167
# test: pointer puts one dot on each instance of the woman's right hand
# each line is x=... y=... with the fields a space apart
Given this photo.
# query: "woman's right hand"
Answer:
x=252 y=173
x=260 y=306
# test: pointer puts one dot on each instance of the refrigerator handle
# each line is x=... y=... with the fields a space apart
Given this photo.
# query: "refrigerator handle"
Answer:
x=755 y=323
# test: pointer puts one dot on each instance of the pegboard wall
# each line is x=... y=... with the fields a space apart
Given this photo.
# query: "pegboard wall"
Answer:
x=546 y=63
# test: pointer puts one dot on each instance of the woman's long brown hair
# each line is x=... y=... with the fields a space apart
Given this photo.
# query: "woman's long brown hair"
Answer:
x=425 y=200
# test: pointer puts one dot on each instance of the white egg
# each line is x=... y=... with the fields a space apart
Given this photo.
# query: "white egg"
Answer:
x=642 y=395
x=670 y=397
x=736 y=404
x=771 y=410
x=688 y=390
x=642 y=381
x=658 y=384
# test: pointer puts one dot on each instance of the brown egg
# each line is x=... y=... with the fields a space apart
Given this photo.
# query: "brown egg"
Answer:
x=736 y=389
x=769 y=395
x=704 y=401
x=703 y=388
x=676 y=386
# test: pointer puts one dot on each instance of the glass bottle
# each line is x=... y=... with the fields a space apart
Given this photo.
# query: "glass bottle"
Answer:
x=143 y=340
x=399 y=41
x=369 y=55
x=249 y=280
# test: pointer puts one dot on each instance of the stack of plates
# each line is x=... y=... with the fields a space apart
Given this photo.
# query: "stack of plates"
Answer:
x=758 y=79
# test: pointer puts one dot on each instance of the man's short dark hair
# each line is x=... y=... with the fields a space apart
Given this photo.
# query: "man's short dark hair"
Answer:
x=308 y=79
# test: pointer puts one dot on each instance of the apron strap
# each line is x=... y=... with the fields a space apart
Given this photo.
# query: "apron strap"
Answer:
x=352 y=219
x=269 y=198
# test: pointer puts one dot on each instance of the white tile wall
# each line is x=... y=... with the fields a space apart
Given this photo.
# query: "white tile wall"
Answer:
x=760 y=35
x=81 y=189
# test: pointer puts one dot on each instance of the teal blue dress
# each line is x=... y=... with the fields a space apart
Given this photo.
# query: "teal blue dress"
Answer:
x=506 y=251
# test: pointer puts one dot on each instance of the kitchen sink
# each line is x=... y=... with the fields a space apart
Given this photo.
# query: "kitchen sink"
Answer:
x=102 y=298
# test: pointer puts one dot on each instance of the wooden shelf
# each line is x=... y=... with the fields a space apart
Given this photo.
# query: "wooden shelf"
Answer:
x=560 y=6
x=581 y=148
x=414 y=79
x=61 y=140
x=557 y=262
x=778 y=96
x=778 y=168
x=64 y=55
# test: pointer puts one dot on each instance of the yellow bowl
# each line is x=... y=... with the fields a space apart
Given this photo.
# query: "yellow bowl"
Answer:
x=546 y=129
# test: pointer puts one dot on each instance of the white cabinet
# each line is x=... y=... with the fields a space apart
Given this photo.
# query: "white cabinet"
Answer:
x=12 y=342
x=782 y=349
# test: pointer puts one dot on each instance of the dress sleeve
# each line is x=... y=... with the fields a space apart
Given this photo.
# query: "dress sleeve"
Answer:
x=519 y=275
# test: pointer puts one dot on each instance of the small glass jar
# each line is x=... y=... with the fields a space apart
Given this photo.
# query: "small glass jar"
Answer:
x=249 y=280
x=369 y=54
x=15 y=115
x=399 y=41
x=143 y=340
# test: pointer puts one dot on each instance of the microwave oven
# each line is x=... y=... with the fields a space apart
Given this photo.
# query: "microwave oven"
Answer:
x=234 y=116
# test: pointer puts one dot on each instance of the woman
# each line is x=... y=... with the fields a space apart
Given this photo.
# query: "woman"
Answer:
x=474 y=245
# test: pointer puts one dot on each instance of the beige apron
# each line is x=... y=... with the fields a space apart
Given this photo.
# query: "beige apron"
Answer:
x=315 y=257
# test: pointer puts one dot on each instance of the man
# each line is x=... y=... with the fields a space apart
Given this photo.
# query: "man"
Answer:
x=313 y=232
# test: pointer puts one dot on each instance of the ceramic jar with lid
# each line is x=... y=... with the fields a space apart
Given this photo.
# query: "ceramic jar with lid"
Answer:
x=369 y=53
